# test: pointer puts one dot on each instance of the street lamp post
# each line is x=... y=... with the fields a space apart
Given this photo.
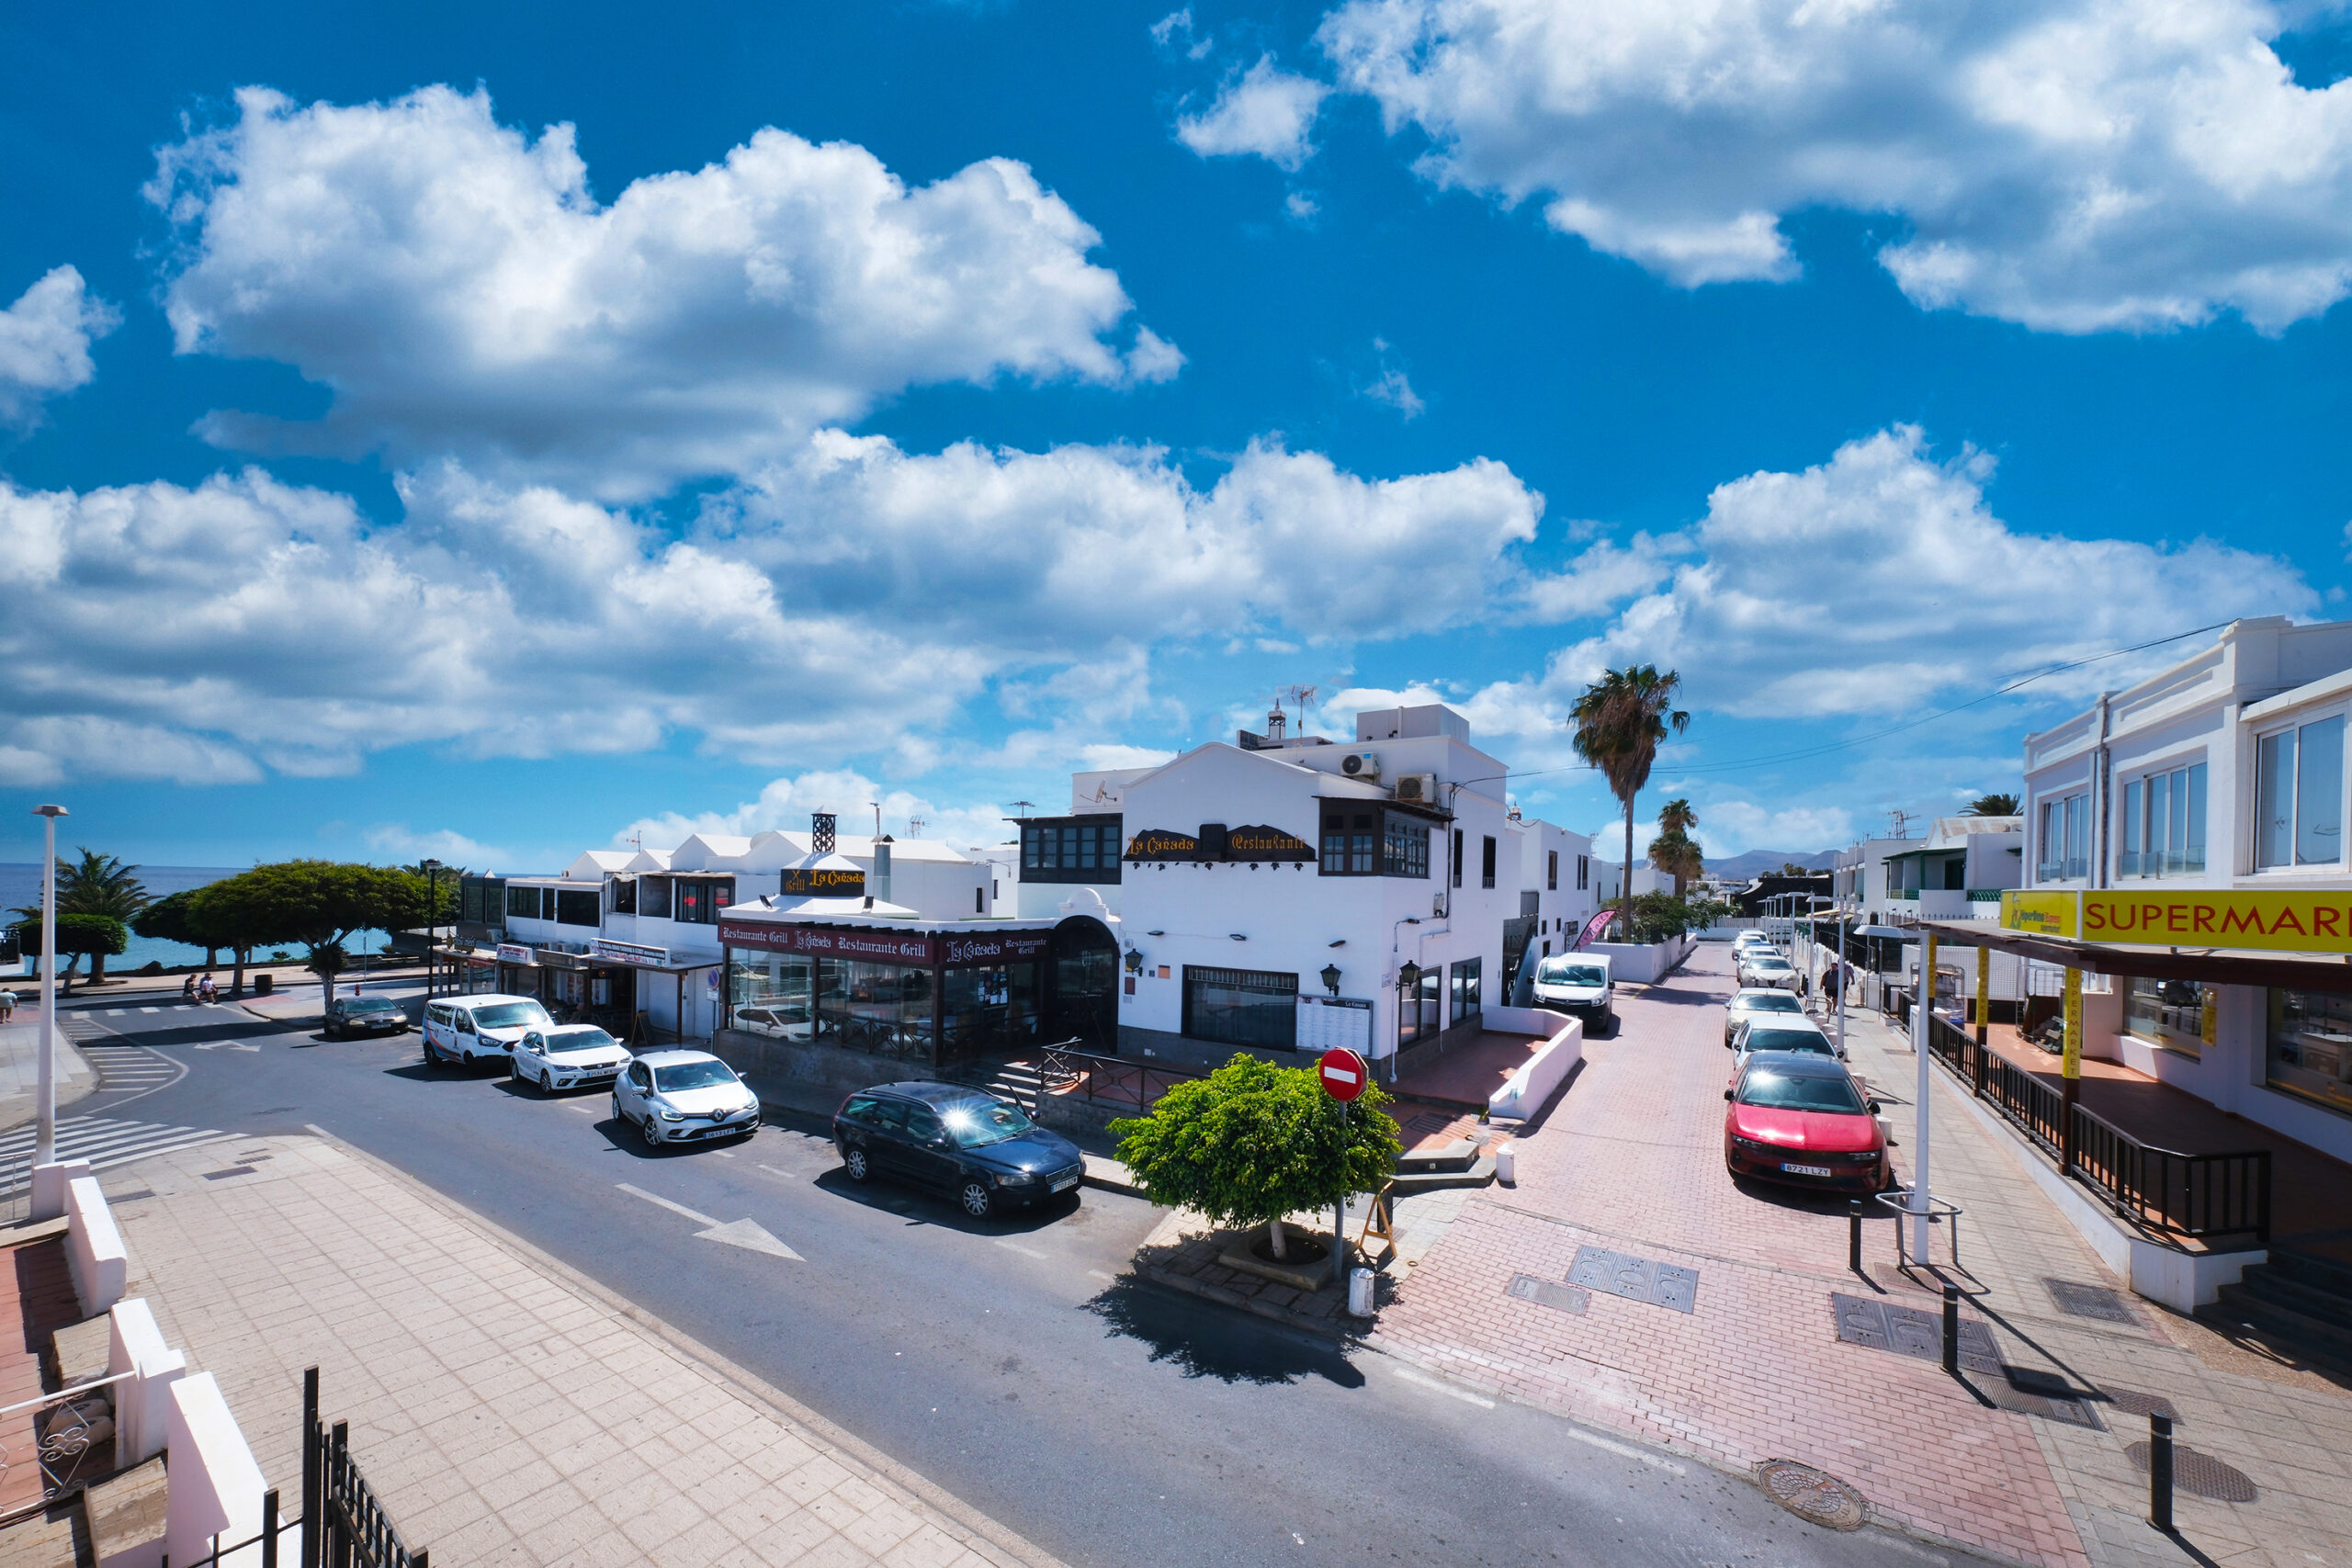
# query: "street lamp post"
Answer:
x=45 y=1138
x=432 y=923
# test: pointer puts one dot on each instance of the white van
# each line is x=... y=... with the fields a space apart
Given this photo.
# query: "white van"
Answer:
x=1578 y=983
x=479 y=1029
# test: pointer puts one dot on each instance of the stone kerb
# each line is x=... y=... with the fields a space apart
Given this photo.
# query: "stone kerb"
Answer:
x=93 y=1248
x=216 y=1486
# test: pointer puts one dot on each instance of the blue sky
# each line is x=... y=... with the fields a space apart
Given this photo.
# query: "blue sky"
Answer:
x=915 y=402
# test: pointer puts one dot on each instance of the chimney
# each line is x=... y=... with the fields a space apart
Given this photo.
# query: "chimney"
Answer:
x=878 y=882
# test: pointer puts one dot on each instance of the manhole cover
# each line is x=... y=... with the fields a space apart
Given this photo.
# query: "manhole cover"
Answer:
x=1528 y=1288
x=1811 y=1494
x=1636 y=1279
x=2203 y=1474
x=2131 y=1402
x=2094 y=1302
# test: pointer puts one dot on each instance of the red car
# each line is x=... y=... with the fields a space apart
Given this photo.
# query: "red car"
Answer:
x=1799 y=1118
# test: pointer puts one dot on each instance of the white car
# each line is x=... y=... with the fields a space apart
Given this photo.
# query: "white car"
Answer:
x=479 y=1029
x=1746 y=942
x=1771 y=1032
x=1756 y=1001
x=1578 y=983
x=683 y=1096
x=1766 y=970
x=577 y=1056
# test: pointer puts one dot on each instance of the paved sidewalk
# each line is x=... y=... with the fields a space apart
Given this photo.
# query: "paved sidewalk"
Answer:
x=21 y=1064
x=506 y=1410
x=1629 y=1160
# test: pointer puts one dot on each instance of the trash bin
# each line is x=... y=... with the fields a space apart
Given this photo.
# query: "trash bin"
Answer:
x=262 y=984
x=1360 y=1292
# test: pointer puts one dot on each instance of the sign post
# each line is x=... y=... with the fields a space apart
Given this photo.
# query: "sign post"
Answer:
x=1343 y=1076
x=2070 y=1081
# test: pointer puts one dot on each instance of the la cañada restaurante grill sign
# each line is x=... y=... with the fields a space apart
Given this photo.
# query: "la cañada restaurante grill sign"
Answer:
x=1253 y=842
x=823 y=882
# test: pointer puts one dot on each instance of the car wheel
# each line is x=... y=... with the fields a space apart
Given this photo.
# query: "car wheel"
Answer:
x=432 y=1057
x=859 y=1168
x=646 y=1131
x=977 y=1196
x=617 y=1110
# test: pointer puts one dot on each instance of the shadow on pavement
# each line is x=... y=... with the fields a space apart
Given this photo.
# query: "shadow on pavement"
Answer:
x=923 y=1206
x=1211 y=1343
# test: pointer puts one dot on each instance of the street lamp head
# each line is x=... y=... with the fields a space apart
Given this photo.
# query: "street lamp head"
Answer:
x=431 y=864
x=50 y=811
x=1331 y=978
x=1409 y=976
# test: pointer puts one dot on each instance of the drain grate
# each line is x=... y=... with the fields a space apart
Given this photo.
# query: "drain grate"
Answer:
x=2091 y=1301
x=2046 y=1394
x=1907 y=1331
x=224 y=1175
x=2133 y=1403
x=1542 y=1292
x=2203 y=1474
x=1811 y=1494
x=1636 y=1279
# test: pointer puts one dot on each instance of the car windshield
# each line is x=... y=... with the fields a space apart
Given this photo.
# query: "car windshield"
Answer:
x=980 y=1121
x=368 y=1004
x=1771 y=1001
x=692 y=1075
x=1792 y=1091
x=1564 y=972
x=587 y=1039
x=1788 y=1039
x=1768 y=964
x=511 y=1015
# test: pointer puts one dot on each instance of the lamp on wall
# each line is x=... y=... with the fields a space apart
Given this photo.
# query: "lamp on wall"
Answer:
x=1331 y=978
x=1135 y=961
x=1409 y=977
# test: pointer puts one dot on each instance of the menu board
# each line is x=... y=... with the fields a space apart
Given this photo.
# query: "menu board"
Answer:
x=1327 y=1023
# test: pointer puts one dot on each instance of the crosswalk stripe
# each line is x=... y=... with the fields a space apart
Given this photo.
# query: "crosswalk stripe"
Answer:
x=103 y=1141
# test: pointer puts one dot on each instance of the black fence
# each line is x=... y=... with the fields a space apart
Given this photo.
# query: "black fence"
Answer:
x=2198 y=1196
x=341 y=1526
x=1107 y=1080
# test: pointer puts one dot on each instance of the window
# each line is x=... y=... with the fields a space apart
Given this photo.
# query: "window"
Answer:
x=2164 y=824
x=578 y=907
x=623 y=895
x=1349 y=837
x=1457 y=857
x=2299 y=795
x=1418 y=1009
x=2175 y=1014
x=883 y=1010
x=699 y=900
x=1466 y=975
x=979 y=901
x=1487 y=865
x=521 y=903
x=2066 y=826
x=1072 y=848
x=2310 y=1052
x=653 y=897
x=1405 y=848
x=1552 y=871
x=1584 y=872
x=1242 y=1007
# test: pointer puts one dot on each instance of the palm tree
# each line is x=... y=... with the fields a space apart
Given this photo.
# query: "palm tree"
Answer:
x=96 y=885
x=1991 y=806
x=1620 y=721
x=1672 y=851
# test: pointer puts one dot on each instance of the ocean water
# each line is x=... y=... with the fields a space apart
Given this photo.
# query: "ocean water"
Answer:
x=20 y=885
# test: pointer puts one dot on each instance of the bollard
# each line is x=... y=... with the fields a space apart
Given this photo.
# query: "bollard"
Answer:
x=2160 y=1471
x=1952 y=1329
x=1507 y=1164
x=1360 y=1292
x=1854 y=1235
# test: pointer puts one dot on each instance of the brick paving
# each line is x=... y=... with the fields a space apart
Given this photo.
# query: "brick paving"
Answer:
x=1631 y=1160
x=36 y=1297
x=443 y=1341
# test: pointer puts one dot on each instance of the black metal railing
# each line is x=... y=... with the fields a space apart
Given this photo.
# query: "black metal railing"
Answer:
x=1107 y=1080
x=2195 y=1196
x=353 y=1528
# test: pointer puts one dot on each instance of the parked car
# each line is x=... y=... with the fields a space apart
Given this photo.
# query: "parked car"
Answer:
x=1757 y=1001
x=1765 y=971
x=575 y=1056
x=1768 y=1032
x=1578 y=983
x=479 y=1029
x=683 y=1097
x=977 y=1146
x=348 y=1016
x=1801 y=1119
x=1750 y=938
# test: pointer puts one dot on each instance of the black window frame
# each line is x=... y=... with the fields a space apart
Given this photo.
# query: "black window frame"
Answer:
x=653 y=897
x=1551 y=871
x=1351 y=839
x=522 y=902
x=1083 y=849
x=1487 y=865
x=1457 y=857
x=717 y=892
x=621 y=895
x=579 y=906
x=1197 y=975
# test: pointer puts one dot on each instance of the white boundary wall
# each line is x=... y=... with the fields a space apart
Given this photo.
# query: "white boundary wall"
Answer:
x=1530 y=1089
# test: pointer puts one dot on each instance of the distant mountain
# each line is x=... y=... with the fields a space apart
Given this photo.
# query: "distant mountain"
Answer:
x=1756 y=863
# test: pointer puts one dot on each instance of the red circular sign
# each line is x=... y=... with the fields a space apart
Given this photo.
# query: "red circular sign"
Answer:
x=1342 y=1072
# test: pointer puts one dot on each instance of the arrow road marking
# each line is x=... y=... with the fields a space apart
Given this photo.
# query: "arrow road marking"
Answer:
x=229 y=1046
x=746 y=1234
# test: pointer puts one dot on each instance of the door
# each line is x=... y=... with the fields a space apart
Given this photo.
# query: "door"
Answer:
x=927 y=1158
x=631 y=1090
x=531 y=1055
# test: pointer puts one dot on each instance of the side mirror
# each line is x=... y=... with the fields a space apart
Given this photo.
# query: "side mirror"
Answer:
x=1727 y=1094
x=1876 y=1107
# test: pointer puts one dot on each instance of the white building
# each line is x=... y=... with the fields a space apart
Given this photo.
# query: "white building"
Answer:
x=1958 y=871
x=2200 y=814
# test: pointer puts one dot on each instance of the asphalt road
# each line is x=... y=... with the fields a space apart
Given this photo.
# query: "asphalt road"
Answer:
x=1008 y=1360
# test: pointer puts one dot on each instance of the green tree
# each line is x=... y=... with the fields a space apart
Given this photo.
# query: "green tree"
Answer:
x=234 y=913
x=172 y=918
x=1620 y=721
x=98 y=937
x=1253 y=1142
x=1673 y=851
x=99 y=884
x=320 y=904
x=1991 y=806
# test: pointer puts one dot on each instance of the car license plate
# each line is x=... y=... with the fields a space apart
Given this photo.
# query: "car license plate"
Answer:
x=1065 y=1183
x=1806 y=1169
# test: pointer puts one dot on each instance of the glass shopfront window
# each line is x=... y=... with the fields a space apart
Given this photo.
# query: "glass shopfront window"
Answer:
x=1420 y=1010
x=1242 y=1007
x=1467 y=977
x=2173 y=1014
x=991 y=1009
x=2309 y=1047
x=883 y=1009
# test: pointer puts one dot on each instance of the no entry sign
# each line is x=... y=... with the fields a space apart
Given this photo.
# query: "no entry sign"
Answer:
x=1342 y=1073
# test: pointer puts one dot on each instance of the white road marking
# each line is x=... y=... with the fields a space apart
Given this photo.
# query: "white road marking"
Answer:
x=1024 y=1251
x=1098 y=1274
x=1624 y=1450
x=773 y=1171
x=674 y=1208
x=747 y=1235
x=722 y=1154
x=584 y=1109
x=229 y=1046
x=1464 y=1395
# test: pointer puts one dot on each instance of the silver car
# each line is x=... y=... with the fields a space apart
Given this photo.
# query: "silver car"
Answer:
x=578 y=1056
x=684 y=1097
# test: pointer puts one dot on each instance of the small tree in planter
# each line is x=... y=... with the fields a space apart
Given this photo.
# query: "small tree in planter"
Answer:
x=1253 y=1142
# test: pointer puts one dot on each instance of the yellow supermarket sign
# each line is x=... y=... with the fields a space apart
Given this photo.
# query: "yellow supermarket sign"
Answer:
x=2300 y=921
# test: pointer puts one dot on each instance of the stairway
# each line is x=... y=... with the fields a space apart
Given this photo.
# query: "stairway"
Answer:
x=2298 y=1303
x=1018 y=1081
x=1462 y=1163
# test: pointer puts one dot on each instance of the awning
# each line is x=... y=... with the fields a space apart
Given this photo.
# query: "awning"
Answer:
x=2214 y=965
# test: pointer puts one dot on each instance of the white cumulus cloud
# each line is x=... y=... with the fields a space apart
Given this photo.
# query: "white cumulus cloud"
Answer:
x=1264 y=112
x=2078 y=165
x=462 y=293
x=45 y=341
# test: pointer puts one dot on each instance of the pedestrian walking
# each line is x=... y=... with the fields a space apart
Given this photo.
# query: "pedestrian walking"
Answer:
x=7 y=1004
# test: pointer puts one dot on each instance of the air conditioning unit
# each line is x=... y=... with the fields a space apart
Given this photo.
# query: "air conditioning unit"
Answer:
x=1360 y=764
x=1420 y=789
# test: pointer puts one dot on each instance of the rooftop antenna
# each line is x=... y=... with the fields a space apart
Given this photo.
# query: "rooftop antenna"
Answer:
x=914 y=827
x=877 y=817
x=1026 y=807
x=1902 y=821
